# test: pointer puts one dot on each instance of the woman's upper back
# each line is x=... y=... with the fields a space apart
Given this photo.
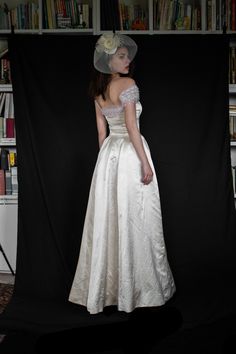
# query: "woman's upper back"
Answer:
x=114 y=89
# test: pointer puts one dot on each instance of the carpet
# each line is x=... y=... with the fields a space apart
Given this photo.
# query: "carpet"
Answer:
x=6 y=291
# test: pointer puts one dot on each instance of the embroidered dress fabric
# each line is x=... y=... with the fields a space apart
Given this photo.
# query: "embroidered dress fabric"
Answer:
x=123 y=259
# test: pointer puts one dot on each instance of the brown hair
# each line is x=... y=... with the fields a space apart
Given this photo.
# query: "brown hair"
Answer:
x=99 y=82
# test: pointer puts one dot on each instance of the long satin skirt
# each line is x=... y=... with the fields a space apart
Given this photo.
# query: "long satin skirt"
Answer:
x=123 y=258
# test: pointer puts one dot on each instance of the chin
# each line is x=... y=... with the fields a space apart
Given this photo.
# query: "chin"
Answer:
x=124 y=72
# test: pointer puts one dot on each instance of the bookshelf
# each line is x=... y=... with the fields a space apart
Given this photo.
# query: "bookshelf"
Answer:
x=8 y=156
x=130 y=16
x=8 y=169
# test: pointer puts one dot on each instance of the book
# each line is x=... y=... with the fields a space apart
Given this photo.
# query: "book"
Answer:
x=14 y=180
x=12 y=159
x=4 y=165
x=8 y=182
x=10 y=127
x=1 y=127
x=2 y=182
x=2 y=102
x=232 y=127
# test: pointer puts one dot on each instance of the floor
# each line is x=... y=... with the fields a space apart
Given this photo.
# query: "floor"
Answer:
x=217 y=338
x=6 y=278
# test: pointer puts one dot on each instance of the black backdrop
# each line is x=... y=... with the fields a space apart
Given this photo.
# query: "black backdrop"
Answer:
x=183 y=82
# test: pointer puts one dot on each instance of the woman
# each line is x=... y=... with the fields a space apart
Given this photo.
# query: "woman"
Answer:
x=122 y=257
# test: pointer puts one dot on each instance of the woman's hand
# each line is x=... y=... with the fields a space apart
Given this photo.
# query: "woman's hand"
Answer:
x=147 y=173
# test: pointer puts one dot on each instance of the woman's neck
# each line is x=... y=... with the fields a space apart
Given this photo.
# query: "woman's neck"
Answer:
x=115 y=76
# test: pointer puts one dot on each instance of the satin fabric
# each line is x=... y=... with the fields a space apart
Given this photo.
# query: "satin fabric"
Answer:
x=123 y=259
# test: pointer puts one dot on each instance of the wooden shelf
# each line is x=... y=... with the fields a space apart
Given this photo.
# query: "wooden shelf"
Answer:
x=67 y=30
x=232 y=88
x=7 y=142
x=6 y=88
x=8 y=199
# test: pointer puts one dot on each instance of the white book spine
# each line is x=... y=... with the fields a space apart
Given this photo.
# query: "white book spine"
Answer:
x=7 y=105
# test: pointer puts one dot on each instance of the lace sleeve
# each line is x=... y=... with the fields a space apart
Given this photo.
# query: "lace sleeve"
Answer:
x=130 y=95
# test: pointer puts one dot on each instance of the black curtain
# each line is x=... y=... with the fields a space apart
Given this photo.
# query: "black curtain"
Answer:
x=183 y=82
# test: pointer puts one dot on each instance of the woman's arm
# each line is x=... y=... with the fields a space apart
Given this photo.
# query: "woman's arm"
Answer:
x=135 y=137
x=101 y=125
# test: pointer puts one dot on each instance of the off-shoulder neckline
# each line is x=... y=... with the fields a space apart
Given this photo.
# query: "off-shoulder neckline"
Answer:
x=115 y=105
x=128 y=88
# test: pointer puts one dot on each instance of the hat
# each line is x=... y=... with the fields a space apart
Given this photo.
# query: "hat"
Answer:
x=107 y=45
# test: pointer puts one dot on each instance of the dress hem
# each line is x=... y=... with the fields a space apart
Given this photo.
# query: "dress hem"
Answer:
x=94 y=312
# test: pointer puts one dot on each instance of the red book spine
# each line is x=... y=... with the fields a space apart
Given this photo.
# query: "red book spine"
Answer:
x=2 y=183
x=10 y=131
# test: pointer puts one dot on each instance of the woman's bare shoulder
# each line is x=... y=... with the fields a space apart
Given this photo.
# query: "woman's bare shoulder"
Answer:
x=126 y=82
x=122 y=84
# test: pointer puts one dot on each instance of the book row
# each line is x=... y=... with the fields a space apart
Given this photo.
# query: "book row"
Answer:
x=66 y=13
x=8 y=158
x=8 y=172
x=23 y=16
x=176 y=15
x=56 y=14
x=8 y=182
x=209 y=15
x=6 y=105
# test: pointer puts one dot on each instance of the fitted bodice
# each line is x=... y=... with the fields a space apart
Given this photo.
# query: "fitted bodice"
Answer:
x=116 y=118
x=115 y=114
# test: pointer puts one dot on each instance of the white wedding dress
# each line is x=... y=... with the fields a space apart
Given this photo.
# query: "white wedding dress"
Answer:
x=123 y=259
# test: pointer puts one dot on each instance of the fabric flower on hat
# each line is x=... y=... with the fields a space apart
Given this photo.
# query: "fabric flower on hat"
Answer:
x=108 y=43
